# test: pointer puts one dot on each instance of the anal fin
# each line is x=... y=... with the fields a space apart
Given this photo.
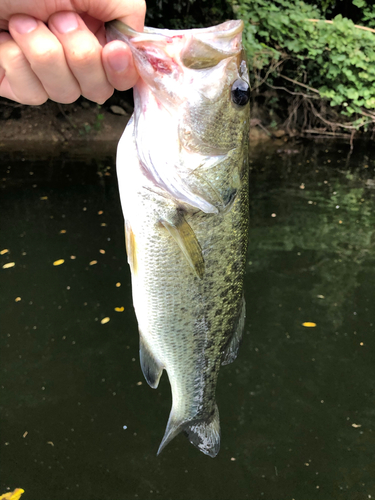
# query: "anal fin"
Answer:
x=151 y=368
x=231 y=351
x=185 y=238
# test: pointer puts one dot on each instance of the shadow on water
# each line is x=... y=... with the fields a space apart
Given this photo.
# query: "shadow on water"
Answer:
x=297 y=407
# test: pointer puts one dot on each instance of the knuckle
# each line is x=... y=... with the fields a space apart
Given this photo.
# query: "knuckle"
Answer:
x=35 y=100
x=66 y=98
x=99 y=97
x=13 y=58
x=84 y=56
x=45 y=54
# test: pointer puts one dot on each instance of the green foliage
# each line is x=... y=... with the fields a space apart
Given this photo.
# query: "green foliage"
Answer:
x=185 y=14
x=333 y=59
x=96 y=125
x=368 y=11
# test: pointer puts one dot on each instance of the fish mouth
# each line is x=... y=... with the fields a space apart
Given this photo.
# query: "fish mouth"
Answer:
x=228 y=29
x=198 y=48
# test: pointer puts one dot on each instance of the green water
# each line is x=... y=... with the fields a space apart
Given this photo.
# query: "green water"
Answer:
x=297 y=408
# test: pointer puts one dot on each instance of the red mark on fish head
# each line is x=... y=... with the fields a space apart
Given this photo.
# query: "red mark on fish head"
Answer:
x=160 y=65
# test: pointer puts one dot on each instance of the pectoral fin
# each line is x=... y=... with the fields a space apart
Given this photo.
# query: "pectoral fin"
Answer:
x=185 y=238
x=131 y=248
x=151 y=368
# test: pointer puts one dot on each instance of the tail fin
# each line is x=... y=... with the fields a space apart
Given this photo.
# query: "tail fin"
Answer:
x=202 y=433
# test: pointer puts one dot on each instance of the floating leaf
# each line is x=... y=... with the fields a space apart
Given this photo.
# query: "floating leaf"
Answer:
x=59 y=262
x=8 y=265
x=119 y=309
x=93 y=262
x=4 y=251
x=309 y=324
x=13 y=495
x=102 y=251
x=105 y=320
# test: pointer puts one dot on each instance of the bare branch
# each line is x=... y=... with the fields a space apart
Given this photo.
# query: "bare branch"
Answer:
x=331 y=22
x=290 y=92
x=299 y=83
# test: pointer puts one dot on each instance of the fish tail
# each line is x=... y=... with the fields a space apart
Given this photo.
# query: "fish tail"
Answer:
x=204 y=433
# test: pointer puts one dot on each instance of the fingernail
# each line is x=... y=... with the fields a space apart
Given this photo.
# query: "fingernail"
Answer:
x=118 y=62
x=24 y=24
x=65 y=22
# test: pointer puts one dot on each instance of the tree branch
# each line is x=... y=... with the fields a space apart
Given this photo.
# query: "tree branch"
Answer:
x=331 y=22
x=299 y=83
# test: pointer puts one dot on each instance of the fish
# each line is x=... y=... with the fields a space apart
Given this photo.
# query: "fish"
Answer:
x=182 y=167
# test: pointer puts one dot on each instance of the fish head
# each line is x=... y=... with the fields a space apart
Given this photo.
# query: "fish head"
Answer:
x=191 y=104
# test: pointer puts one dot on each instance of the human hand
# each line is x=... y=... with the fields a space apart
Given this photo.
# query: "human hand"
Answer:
x=57 y=49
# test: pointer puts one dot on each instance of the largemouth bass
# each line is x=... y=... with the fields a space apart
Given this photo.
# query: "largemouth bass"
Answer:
x=182 y=166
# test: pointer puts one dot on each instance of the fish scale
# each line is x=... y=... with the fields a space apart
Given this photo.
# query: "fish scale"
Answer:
x=185 y=204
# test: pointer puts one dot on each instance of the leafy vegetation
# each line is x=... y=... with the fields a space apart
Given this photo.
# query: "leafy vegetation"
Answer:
x=321 y=71
x=187 y=13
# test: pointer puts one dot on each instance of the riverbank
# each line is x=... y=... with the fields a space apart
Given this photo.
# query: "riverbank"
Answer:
x=84 y=122
x=81 y=122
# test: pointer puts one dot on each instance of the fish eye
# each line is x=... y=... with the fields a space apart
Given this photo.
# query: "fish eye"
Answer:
x=240 y=92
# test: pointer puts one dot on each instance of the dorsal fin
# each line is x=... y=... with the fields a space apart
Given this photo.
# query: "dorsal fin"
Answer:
x=231 y=351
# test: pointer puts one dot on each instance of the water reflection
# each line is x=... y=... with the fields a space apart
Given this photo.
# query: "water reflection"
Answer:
x=296 y=408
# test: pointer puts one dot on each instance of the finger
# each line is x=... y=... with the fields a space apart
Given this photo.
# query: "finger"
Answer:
x=46 y=57
x=83 y=54
x=135 y=15
x=119 y=66
x=17 y=80
x=131 y=12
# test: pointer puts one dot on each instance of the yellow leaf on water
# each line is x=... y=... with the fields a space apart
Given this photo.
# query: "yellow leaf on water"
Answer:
x=309 y=324
x=119 y=309
x=13 y=495
x=44 y=197
x=59 y=262
x=105 y=320
x=63 y=231
x=93 y=262
x=102 y=251
x=8 y=265
x=2 y=252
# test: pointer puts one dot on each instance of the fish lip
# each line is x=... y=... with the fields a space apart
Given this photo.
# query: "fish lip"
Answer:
x=228 y=29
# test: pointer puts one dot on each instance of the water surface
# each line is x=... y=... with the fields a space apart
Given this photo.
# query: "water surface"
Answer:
x=297 y=411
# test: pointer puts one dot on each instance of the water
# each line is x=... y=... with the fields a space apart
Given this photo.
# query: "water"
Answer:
x=77 y=420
